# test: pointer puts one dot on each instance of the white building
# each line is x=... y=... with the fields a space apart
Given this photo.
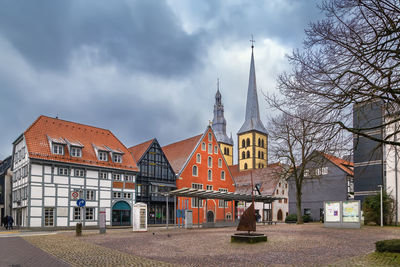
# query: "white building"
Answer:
x=56 y=162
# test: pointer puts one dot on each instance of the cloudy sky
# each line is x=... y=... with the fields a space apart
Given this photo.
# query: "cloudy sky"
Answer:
x=142 y=69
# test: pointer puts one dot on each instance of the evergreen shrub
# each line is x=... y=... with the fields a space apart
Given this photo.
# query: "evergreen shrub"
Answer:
x=390 y=245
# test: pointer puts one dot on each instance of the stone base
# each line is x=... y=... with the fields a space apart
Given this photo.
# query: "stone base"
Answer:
x=248 y=238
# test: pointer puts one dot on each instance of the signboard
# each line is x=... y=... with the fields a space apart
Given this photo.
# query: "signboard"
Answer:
x=332 y=211
x=351 y=210
x=139 y=217
x=102 y=220
x=75 y=195
x=80 y=202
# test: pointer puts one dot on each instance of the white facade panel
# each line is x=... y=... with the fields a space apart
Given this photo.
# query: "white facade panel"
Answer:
x=36 y=202
x=92 y=174
x=47 y=178
x=105 y=203
x=49 y=191
x=37 y=179
x=77 y=181
x=62 y=212
x=60 y=179
x=49 y=201
x=105 y=183
x=62 y=201
x=91 y=203
x=92 y=182
x=90 y=223
x=47 y=169
x=36 y=222
x=36 y=211
x=36 y=192
x=62 y=192
x=105 y=194
x=62 y=221
x=36 y=169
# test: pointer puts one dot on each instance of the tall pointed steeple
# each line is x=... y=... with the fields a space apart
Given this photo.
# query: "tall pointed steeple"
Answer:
x=252 y=119
x=219 y=122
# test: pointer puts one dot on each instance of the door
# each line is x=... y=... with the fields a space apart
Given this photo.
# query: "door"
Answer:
x=210 y=216
x=121 y=214
x=280 y=215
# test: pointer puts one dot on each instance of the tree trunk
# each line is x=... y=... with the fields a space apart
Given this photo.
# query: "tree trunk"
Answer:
x=298 y=205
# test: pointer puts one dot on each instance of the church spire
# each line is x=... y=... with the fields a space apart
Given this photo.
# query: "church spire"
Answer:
x=219 y=122
x=252 y=119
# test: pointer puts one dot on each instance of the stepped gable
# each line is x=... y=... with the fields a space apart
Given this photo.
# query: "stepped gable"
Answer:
x=138 y=150
x=179 y=152
x=44 y=129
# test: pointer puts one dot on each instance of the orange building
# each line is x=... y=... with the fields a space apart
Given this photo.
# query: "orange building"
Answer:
x=199 y=163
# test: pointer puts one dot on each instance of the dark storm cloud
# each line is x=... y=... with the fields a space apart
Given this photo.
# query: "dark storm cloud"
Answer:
x=140 y=35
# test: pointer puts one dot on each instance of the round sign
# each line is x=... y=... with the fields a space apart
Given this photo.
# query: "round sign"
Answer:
x=75 y=194
x=80 y=202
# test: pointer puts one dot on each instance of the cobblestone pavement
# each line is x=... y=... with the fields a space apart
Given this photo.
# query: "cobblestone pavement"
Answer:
x=79 y=253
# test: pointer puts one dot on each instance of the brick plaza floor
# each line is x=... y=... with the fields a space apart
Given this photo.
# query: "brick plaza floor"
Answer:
x=288 y=245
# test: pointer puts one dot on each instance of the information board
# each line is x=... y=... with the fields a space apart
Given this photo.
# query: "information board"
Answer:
x=351 y=211
x=332 y=211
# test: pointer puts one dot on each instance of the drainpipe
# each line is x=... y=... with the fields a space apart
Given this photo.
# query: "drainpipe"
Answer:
x=395 y=173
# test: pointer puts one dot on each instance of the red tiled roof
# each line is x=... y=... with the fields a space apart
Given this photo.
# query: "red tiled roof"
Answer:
x=345 y=165
x=44 y=128
x=267 y=177
x=177 y=153
x=138 y=150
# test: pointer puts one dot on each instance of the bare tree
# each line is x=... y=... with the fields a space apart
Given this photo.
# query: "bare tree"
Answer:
x=349 y=58
x=297 y=143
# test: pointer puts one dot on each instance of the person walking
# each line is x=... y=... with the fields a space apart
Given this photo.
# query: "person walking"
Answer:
x=6 y=222
x=10 y=222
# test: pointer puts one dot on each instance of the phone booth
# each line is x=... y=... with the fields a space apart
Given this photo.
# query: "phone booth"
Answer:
x=139 y=217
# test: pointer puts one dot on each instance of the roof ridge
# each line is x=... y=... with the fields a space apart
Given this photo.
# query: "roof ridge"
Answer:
x=142 y=143
x=183 y=140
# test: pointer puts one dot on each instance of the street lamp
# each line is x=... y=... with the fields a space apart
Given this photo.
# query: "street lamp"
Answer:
x=381 y=187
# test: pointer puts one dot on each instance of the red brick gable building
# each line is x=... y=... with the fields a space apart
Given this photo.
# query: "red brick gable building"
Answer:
x=199 y=163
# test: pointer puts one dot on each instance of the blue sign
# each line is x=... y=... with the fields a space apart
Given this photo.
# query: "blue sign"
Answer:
x=180 y=213
x=80 y=202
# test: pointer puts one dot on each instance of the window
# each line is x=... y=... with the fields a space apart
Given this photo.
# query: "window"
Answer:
x=89 y=214
x=259 y=154
x=285 y=185
x=259 y=142
x=262 y=155
x=280 y=200
x=209 y=148
x=222 y=175
x=48 y=216
x=209 y=137
x=76 y=152
x=90 y=194
x=306 y=173
x=222 y=202
x=243 y=143
x=194 y=171
x=209 y=162
x=215 y=150
x=103 y=156
x=103 y=175
x=277 y=191
x=209 y=187
x=285 y=200
x=224 y=150
x=128 y=195
x=324 y=170
x=203 y=146
x=196 y=202
x=117 y=194
x=307 y=212
x=248 y=141
x=116 y=176
x=198 y=158
x=229 y=216
x=63 y=171
x=262 y=143
x=128 y=178
x=227 y=151
x=279 y=184
x=220 y=163
x=318 y=172
x=79 y=173
x=245 y=166
x=283 y=191
x=248 y=154
x=58 y=149
x=117 y=158
x=243 y=155
x=77 y=213
x=209 y=175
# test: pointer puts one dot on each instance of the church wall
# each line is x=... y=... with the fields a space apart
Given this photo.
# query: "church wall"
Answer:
x=228 y=157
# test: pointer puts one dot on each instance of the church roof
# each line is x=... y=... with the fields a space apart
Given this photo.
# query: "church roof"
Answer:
x=252 y=119
x=138 y=150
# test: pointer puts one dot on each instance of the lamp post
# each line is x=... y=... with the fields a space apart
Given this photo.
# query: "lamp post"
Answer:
x=381 y=187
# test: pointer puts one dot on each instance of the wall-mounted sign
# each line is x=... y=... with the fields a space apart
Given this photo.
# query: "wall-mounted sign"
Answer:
x=332 y=211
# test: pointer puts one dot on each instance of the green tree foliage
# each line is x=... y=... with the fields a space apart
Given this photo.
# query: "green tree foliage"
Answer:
x=372 y=209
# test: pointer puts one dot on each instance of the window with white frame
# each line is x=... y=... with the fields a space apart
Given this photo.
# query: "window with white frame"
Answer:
x=209 y=176
x=197 y=202
x=117 y=157
x=116 y=176
x=203 y=146
x=117 y=194
x=76 y=151
x=222 y=175
x=215 y=150
x=324 y=170
x=89 y=214
x=103 y=156
x=209 y=162
x=209 y=187
x=128 y=178
x=77 y=213
x=128 y=195
x=220 y=201
x=306 y=173
x=48 y=216
x=195 y=171
x=90 y=194
x=58 y=149
x=198 y=158
x=63 y=171
x=219 y=163
x=103 y=175
x=79 y=172
x=210 y=149
x=209 y=137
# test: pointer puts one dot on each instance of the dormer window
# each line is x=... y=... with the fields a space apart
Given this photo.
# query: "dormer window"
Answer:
x=58 y=149
x=117 y=158
x=76 y=152
x=103 y=156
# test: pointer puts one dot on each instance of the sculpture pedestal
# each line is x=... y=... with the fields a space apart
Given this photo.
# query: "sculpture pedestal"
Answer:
x=248 y=238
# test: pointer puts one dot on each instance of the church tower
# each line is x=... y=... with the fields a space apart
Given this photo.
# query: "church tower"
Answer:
x=219 y=127
x=252 y=136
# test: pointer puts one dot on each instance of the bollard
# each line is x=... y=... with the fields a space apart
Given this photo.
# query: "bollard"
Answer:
x=78 y=229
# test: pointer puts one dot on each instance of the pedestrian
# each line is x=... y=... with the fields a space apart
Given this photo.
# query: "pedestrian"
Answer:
x=6 y=222
x=10 y=222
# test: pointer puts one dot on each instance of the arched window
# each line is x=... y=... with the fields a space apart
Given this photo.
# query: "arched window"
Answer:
x=227 y=151
x=248 y=154
x=209 y=175
x=198 y=158
x=245 y=166
x=259 y=154
x=243 y=155
x=262 y=143
x=248 y=141
x=262 y=155
x=224 y=150
x=220 y=163
x=222 y=175
x=209 y=162
x=259 y=142
x=203 y=146
x=194 y=170
x=209 y=137
x=243 y=143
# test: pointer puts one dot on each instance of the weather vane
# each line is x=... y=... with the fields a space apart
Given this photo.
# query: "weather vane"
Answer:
x=217 y=83
x=252 y=42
